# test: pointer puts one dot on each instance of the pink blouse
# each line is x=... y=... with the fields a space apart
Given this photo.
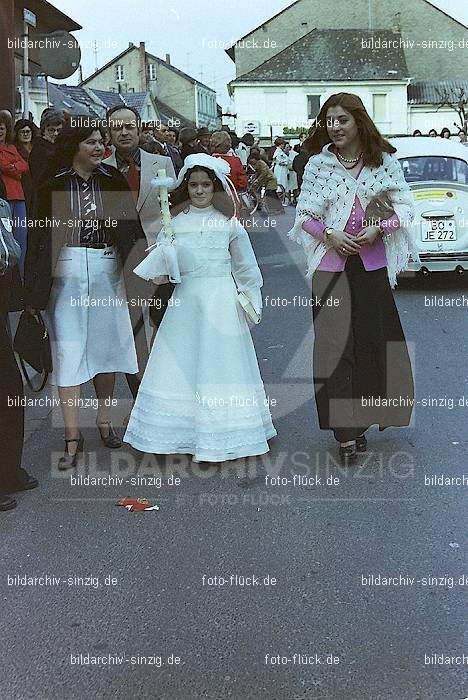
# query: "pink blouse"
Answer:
x=372 y=255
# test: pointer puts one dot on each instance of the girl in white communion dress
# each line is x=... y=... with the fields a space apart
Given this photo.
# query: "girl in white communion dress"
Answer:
x=202 y=393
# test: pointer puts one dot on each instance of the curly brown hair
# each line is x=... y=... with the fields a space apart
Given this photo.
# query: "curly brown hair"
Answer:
x=373 y=143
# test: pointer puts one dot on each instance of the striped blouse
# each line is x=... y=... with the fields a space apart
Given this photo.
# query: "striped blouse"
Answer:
x=87 y=211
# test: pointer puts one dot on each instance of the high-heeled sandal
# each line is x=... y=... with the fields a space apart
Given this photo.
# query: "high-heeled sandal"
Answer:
x=110 y=440
x=361 y=443
x=348 y=454
x=69 y=461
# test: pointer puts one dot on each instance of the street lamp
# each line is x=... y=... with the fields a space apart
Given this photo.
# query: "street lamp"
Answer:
x=29 y=20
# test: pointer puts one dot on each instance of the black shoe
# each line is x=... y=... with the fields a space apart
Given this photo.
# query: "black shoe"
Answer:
x=7 y=503
x=30 y=483
x=361 y=443
x=70 y=461
x=348 y=454
x=110 y=440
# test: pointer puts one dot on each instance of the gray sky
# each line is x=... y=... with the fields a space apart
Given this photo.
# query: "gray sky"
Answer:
x=194 y=34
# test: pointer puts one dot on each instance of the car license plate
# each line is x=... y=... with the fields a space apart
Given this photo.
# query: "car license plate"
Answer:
x=439 y=230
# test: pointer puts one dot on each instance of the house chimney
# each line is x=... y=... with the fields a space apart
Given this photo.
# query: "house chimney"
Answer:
x=143 y=77
x=168 y=58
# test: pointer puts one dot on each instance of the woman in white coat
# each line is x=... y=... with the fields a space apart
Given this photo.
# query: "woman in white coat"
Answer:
x=282 y=164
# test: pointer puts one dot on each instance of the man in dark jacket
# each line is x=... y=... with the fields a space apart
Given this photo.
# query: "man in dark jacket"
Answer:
x=299 y=163
x=203 y=140
x=41 y=159
x=188 y=139
x=168 y=149
x=13 y=477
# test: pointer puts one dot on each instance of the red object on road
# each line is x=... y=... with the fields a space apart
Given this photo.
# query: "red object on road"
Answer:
x=136 y=504
x=131 y=501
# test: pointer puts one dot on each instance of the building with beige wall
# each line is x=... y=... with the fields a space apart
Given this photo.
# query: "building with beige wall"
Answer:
x=288 y=66
x=435 y=44
x=287 y=91
x=136 y=70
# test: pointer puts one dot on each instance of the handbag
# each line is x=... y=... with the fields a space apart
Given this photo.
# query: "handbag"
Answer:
x=379 y=208
x=32 y=343
x=10 y=251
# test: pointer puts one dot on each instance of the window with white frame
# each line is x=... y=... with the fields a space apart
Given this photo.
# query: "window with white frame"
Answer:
x=152 y=71
x=313 y=106
x=379 y=107
x=119 y=72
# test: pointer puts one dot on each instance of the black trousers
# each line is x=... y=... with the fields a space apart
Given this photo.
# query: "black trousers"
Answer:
x=362 y=369
x=11 y=416
x=141 y=347
x=159 y=302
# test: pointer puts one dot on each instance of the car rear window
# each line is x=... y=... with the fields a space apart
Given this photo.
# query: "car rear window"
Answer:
x=434 y=168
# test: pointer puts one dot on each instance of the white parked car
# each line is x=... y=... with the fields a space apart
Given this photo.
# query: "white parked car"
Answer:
x=436 y=170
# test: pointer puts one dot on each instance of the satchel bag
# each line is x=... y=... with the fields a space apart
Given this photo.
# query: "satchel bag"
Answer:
x=10 y=251
x=248 y=308
x=32 y=344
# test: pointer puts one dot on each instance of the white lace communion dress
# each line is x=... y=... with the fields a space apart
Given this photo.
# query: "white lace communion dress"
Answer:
x=202 y=393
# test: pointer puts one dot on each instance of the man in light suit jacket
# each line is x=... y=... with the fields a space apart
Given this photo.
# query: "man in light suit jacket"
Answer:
x=124 y=125
x=139 y=168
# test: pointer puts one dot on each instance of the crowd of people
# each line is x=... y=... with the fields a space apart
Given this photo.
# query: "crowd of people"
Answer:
x=84 y=212
x=170 y=298
x=242 y=153
x=445 y=133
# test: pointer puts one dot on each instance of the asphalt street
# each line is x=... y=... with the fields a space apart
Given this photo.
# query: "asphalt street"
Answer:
x=284 y=577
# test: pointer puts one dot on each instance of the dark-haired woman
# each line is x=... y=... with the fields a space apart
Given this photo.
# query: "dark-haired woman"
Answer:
x=12 y=169
x=25 y=130
x=353 y=219
x=202 y=393
x=86 y=230
x=445 y=133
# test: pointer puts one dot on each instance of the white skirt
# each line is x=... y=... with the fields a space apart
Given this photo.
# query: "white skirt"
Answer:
x=88 y=318
x=292 y=180
x=281 y=174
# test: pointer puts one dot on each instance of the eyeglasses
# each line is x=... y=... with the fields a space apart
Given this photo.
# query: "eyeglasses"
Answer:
x=25 y=132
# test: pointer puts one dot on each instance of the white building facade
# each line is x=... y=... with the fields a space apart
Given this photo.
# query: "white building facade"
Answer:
x=270 y=109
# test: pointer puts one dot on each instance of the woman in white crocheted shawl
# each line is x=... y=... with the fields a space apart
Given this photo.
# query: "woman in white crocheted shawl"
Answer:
x=353 y=220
